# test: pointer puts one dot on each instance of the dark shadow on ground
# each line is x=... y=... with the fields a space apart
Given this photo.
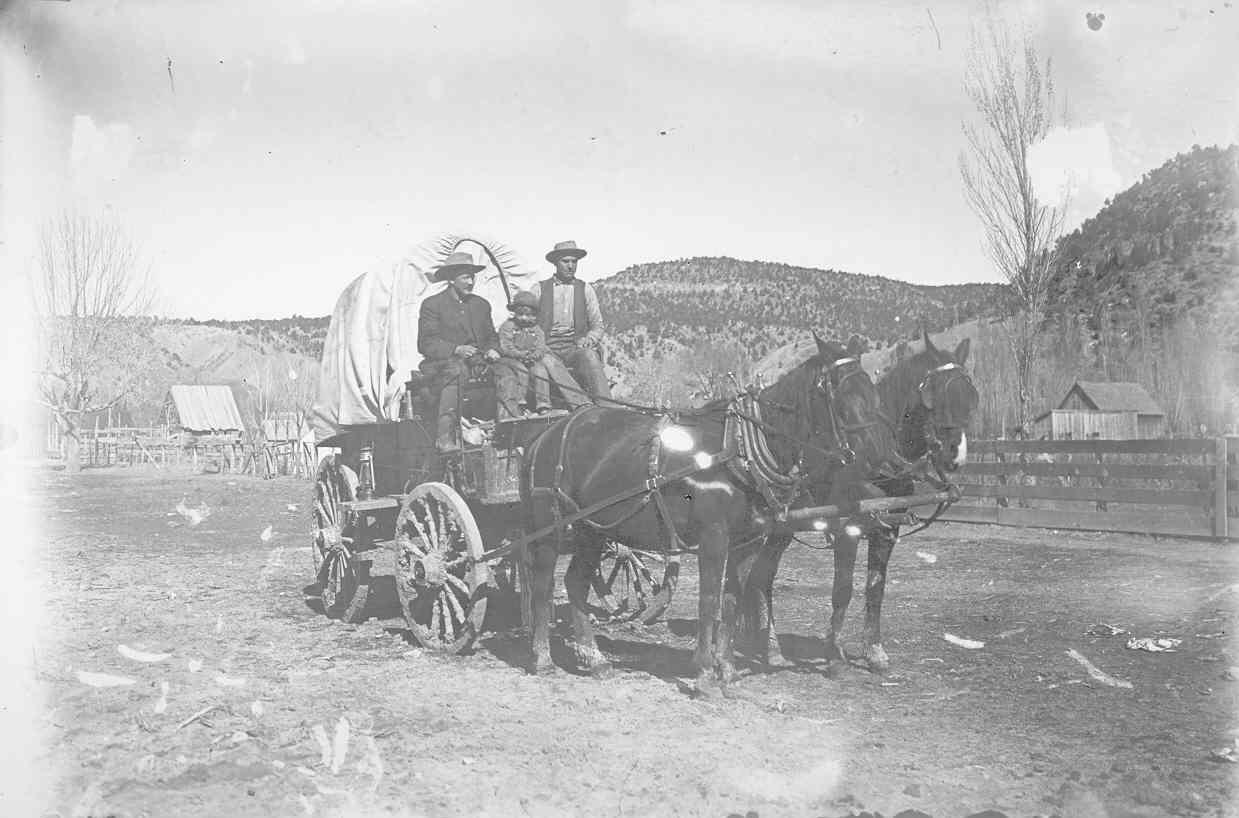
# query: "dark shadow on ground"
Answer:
x=381 y=603
x=664 y=661
x=798 y=648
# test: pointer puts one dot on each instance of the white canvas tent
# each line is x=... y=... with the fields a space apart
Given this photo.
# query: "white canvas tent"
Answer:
x=371 y=343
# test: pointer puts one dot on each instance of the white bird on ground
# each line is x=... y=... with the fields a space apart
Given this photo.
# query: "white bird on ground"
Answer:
x=193 y=515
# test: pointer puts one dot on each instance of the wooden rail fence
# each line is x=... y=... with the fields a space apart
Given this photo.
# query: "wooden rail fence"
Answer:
x=208 y=453
x=1184 y=487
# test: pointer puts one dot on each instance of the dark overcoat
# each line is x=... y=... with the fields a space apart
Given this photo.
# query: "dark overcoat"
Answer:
x=445 y=322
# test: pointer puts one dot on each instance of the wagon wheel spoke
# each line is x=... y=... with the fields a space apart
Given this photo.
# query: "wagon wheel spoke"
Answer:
x=342 y=587
x=642 y=571
x=635 y=577
x=454 y=606
x=627 y=587
x=437 y=574
x=459 y=584
x=616 y=583
x=326 y=512
x=432 y=528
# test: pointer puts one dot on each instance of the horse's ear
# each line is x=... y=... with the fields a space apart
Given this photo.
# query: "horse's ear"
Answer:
x=855 y=346
x=961 y=351
x=929 y=345
x=901 y=350
x=821 y=345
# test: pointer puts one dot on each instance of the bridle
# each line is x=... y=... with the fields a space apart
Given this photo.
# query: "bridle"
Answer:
x=830 y=381
x=949 y=373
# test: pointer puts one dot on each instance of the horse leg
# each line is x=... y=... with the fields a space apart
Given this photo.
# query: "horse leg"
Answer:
x=769 y=565
x=881 y=543
x=543 y=557
x=841 y=596
x=755 y=573
x=577 y=581
x=711 y=566
x=725 y=638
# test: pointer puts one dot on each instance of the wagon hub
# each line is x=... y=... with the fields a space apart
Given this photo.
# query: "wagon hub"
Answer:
x=429 y=570
x=331 y=537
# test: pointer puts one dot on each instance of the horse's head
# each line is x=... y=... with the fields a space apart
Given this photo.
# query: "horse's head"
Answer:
x=850 y=411
x=935 y=399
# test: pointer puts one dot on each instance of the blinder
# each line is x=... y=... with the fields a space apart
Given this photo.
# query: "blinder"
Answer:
x=952 y=371
x=940 y=419
x=831 y=378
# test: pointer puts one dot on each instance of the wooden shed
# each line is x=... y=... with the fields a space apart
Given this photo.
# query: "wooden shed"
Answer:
x=1108 y=410
x=197 y=410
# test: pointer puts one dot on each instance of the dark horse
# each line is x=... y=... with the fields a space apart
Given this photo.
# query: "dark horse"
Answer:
x=706 y=481
x=930 y=399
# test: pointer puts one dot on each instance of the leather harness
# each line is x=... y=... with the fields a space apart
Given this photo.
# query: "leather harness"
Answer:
x=746 y=454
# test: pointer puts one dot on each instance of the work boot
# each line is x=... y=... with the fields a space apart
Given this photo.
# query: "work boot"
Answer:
x=446 y=441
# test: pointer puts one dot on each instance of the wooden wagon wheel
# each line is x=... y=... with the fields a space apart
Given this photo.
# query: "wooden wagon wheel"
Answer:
x=441 y=584
x=335 y=566
x=626 y=587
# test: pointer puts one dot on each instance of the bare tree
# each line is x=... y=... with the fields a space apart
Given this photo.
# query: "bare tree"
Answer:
x=287 y=386
x=1014 y=100
x=89 y=294
x=713 y=370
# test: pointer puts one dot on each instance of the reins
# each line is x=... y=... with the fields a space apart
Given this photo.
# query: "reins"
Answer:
x=745 y=453
x=928 y=432
x=844 y=451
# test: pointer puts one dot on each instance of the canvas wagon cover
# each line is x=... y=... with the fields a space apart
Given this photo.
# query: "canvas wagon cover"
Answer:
x=371 y=343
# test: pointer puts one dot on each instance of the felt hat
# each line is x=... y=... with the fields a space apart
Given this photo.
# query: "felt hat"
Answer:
x=457 y=264
x=565 y=248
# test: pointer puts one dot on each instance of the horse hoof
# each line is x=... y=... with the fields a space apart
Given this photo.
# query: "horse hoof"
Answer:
x=603 y=670
x=775 y=659
x=726 y=673
x=706 y=687
x=543 y=667
x=835 y=668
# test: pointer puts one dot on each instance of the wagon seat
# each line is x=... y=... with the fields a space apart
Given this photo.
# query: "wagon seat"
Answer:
x=478 y=398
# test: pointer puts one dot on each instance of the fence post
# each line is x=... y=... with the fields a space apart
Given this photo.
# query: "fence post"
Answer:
x=1001 y=501
x=1101 y=479
x=1219 y=489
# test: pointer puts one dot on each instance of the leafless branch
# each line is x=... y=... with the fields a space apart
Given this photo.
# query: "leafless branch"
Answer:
x=1013 y=94
x=89 y=290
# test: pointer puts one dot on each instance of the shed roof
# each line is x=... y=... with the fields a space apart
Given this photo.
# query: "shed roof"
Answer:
x=1117 y=396
x=206 y=408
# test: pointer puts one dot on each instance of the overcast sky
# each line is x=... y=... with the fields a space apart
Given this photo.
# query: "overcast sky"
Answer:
x=264 y=153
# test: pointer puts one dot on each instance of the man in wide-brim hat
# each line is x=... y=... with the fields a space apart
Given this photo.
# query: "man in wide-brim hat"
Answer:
x=454 y=330
x=571 y=319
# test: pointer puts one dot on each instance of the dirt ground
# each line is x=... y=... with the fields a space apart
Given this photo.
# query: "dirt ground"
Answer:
x=300 y=715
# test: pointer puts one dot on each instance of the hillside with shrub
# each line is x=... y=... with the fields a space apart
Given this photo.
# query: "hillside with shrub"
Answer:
x=1147 y=290
x=1162 y=250
x=297 y=335
x=762 y=305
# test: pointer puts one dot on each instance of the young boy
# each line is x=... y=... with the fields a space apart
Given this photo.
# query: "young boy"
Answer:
x=521 y=341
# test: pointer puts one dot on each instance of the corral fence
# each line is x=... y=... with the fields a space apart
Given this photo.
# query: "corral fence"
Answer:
x=1184 y=487
x=156 y=446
